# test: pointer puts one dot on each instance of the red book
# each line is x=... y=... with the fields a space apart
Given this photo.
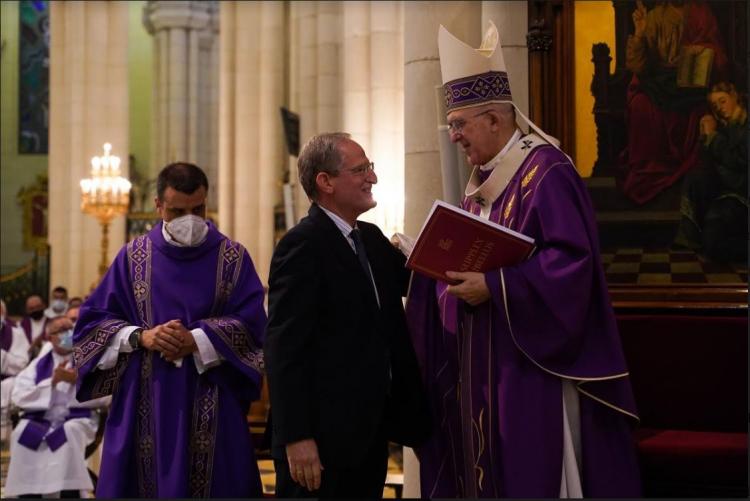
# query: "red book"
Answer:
x=455 y=240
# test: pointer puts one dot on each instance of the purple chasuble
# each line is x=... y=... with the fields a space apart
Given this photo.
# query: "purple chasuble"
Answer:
x=494 y=371
x=172 y=432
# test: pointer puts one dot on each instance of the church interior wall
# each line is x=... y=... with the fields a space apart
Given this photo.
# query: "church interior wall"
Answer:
x=140 y=71
x=17 y=170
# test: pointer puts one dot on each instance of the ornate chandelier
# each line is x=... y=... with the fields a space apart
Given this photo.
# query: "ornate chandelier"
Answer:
x=105 y=195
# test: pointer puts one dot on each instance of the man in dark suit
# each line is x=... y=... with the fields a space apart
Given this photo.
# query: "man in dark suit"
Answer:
x=342 y=374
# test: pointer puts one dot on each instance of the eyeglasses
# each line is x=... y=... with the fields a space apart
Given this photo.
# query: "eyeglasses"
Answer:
x=363 y=169
x=457 y=126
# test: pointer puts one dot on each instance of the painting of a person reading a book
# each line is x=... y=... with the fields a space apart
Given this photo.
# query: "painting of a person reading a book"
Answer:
x=714 y=202
x=675 y=53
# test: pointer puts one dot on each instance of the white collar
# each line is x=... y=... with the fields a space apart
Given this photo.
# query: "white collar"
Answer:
x=504 y=168
x=496 y=159
x=342 y=225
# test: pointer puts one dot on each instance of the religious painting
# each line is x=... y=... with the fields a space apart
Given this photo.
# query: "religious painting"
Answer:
x=33 y=202
x=33 y=84
x=661 y=121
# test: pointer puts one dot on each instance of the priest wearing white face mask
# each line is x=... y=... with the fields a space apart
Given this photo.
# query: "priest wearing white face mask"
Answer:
x=58 y=303
x=47 y=447
x=177 y=322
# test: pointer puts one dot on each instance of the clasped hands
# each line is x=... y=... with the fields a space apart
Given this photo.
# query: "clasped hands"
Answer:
x=64 y=373
x=171 y=339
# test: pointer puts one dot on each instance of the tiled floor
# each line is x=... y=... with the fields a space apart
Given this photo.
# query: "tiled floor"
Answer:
x=268 y=476
x=667 y=266
x=394 y=479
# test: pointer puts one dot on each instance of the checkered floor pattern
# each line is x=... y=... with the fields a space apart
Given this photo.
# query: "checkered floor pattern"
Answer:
x=667 y=266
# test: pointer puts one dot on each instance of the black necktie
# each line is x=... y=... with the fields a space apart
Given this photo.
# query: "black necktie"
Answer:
x=362 y=256
x=359 y=247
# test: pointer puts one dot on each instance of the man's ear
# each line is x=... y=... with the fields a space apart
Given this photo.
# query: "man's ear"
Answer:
x=495 y=121
x=323 y=183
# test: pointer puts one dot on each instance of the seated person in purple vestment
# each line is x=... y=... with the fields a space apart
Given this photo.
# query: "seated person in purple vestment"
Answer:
x=174 y=333
x=47 y=447
x=34 y=322
x=523 y=364
x=342 y=374
x=14 y=356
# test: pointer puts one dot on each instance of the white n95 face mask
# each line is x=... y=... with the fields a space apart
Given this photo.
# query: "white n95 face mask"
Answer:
x=188 y=230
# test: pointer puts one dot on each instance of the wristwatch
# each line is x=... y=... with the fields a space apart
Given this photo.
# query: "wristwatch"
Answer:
x=134 y=340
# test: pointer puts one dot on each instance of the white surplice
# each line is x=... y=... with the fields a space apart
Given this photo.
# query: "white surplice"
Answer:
x=43 y=471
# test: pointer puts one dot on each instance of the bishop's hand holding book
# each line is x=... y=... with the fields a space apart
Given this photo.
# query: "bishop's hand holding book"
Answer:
x=453 y=239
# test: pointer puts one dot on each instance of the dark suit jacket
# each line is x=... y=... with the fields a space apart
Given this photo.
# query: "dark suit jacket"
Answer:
x=328 y=345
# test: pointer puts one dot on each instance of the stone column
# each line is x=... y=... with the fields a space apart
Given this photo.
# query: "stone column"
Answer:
x=421 y=74
x=387 y=113
x=328 y=74
x=251 y=158
x=511 y=19
x=184 y=96
x=88 y=107
x=356 y=84
x=307 y=86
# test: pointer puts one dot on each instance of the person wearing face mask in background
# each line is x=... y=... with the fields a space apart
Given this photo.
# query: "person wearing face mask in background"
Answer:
x=58 y=303
x=47 y=447
x=14 y=356
x=178 y=322
x=34 y=323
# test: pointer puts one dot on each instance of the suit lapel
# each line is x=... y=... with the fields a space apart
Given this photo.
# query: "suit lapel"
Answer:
x=341 y=248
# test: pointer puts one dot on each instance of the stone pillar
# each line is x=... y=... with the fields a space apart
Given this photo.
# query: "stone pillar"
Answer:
x=328 y=74
x=356 y=85
x=184 y=95
x=421 y=74
x=251 y=157
x=511 y=19
x=88 y=107
x=307 y=87
x=387 y=113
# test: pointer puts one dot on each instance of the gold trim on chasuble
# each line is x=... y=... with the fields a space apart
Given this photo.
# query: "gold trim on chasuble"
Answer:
x=139 y=261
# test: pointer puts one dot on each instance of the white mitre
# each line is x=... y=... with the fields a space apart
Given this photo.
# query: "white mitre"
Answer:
x=475 y=77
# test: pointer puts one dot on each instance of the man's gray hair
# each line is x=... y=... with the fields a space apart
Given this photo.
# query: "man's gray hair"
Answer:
x=320 y=154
